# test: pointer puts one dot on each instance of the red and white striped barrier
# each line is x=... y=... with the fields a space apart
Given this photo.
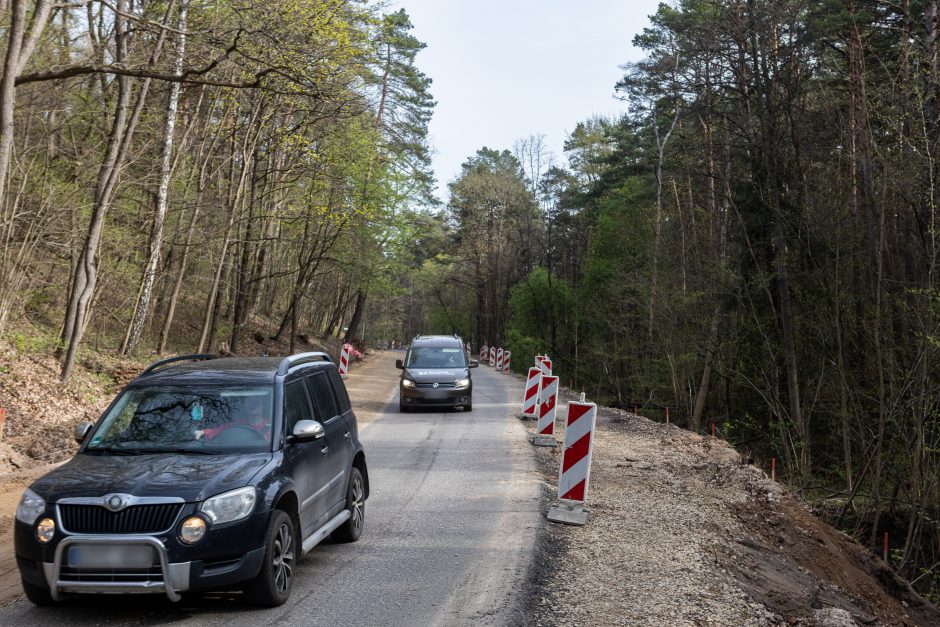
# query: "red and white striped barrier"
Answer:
x=545 y=363
x=344 y=361
x=530 y=399
x=483 y=352
x=499 y=359
x=575 y=471
x=492 y=356
x=548 y=396
x=507 y=357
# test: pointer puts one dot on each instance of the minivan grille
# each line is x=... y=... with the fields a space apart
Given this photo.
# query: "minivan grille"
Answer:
x=431 y=385
x=134 y=519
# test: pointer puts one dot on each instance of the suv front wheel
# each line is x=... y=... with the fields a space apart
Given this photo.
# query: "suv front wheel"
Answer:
x=273 y=584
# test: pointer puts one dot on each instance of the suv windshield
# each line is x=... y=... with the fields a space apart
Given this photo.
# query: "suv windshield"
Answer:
x=436 y=357
x=187 y=419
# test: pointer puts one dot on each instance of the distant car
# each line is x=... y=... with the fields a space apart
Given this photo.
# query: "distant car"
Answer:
x=436 y=373
x=209 y=475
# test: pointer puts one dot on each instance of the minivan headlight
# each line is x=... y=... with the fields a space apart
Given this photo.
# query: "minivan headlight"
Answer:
x=407 y=383
x=30 y=507
x=230 y=506
x=462 y=383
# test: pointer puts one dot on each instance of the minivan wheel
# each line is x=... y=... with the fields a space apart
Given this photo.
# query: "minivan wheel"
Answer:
x=273 y=584
x=350 y=530
x=403 y=408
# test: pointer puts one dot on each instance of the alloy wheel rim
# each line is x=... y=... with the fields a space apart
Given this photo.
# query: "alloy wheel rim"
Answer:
x=358 y=502
x=283 y=558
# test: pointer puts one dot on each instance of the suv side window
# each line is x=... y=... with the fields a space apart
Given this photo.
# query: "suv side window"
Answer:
x=340 y=389
x=322 y=393
x=296 y=404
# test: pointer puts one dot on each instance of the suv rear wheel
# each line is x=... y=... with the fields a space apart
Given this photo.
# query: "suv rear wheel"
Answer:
x=350 y=530
x=273 y=584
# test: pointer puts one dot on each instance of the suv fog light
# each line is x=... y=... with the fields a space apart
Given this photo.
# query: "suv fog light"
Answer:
x=45 y=530
x=192 y=530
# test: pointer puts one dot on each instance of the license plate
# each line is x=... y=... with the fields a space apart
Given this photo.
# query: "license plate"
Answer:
x=105 y=556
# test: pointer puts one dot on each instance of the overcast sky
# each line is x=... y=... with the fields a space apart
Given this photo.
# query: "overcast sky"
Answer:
x=507 y=69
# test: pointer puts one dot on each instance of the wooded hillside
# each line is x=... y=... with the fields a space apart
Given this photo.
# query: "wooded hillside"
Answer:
x=752 y=246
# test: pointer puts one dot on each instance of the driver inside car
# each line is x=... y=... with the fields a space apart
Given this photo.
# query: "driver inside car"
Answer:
x=251 y=416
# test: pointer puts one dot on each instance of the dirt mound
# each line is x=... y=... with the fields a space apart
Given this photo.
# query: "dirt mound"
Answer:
x=683 y=531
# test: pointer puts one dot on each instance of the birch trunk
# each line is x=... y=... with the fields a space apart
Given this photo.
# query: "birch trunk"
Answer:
x=156 y=240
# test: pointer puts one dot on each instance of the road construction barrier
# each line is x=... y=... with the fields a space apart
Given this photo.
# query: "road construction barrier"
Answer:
x=499 y=359
x=507 y=357
x=531 y=397
x=545 y=363
x=575 y=473
x=492 y=356
x=483 y=352
x=548 y=396
x=344 y=361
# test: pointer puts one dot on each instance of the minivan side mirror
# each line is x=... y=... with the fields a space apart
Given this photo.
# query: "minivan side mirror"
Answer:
x=399 y=364
x=81 y=430
x=474 y=363
x=307 y=430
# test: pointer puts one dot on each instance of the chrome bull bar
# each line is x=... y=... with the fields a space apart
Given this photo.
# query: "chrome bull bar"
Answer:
x=175 y=577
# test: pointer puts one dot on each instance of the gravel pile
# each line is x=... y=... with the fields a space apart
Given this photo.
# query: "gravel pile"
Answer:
x=682 y=532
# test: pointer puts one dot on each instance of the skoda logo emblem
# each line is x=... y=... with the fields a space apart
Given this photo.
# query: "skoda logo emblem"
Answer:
x=435 y=385
x=114 y=502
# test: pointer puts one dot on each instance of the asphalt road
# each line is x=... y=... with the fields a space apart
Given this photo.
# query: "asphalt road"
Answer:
x=450 y=526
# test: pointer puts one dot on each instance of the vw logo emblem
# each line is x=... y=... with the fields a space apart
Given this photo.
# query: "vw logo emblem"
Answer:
x=435 y=385
x=114 y=502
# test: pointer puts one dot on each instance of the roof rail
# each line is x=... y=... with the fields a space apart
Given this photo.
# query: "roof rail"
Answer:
x=300 y=358
x=164 y=362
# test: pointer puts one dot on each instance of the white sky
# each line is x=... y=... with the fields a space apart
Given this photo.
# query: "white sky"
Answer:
x=507 y=69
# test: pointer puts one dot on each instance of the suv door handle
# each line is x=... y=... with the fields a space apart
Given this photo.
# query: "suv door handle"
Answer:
x=325 y=450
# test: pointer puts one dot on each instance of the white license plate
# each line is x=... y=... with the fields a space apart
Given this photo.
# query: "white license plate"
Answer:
x=105 y=556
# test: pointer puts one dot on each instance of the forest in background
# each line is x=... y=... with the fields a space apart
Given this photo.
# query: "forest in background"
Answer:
x=751 y=245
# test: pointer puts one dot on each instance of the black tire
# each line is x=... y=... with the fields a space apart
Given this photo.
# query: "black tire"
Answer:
x=403 y=408
x=468 y=407
x=273 y=584
x=350 y=530
x=38 y=595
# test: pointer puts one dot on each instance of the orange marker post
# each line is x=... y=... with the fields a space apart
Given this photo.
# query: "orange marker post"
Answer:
x=3 y=422
x=773 y=468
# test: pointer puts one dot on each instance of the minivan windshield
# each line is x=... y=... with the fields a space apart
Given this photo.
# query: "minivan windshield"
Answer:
x=203 y=419
x=436 y=357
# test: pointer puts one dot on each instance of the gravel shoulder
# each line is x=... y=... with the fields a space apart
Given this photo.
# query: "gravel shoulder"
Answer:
x=683 y=532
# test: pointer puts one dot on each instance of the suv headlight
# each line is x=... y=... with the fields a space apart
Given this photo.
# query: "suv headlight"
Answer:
x=462 y=383
x=30 y=508
x=230 y=506
x=407 y=383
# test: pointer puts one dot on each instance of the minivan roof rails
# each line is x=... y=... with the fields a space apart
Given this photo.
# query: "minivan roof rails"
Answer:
x=300 y=358
x=170 y=360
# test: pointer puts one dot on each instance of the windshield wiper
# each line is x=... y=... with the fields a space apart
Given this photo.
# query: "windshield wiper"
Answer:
x=113 y=450
x=181 y=449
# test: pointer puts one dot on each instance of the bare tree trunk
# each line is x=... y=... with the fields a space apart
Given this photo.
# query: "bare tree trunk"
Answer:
x=121 y=135
x=156 y=239
x=20 y=46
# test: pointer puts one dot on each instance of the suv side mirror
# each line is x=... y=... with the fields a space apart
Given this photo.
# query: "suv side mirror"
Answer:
x=474 y=363
x=307 y=430
x=81 y=430
x=399 y=364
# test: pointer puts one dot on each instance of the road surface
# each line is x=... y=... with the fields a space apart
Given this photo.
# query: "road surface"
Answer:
x=450 y=526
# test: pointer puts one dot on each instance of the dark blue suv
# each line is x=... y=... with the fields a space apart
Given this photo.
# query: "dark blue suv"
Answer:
x=209 y=475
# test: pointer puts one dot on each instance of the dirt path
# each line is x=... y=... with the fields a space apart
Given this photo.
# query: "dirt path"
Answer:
x=369 y=394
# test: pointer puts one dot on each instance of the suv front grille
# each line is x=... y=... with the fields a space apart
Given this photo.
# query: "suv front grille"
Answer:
x=431 y=385
x=134 y=519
